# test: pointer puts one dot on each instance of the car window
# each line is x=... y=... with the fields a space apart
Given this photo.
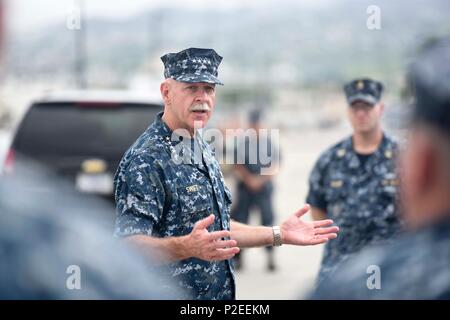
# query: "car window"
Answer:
x=82 y=129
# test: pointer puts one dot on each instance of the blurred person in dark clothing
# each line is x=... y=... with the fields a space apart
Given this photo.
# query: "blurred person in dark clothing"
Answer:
x=254 y=189
x=53 y=245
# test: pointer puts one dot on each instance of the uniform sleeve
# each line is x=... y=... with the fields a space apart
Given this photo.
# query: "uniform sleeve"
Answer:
x=316 y=194
x=139 y=199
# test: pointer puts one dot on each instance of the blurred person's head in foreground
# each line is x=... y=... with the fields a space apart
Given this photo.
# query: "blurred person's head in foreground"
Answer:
x=365 y=105
x=416 y=265
x=426 y=161
x=53 y=245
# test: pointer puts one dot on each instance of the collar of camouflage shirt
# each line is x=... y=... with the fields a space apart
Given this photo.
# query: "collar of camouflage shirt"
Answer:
x=385 y=150
x=180 y=147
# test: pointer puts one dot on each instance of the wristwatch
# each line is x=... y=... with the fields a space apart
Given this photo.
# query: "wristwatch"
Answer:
x=277 y=242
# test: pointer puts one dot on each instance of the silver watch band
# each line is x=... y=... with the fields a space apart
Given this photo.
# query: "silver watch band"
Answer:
x=277 y=242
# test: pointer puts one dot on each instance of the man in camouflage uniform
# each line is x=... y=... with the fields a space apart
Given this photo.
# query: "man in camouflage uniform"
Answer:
x=417 y=265
x=355 y=181
x=172 y=202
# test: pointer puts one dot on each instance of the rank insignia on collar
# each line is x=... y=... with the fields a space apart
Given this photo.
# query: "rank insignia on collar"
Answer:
x=340 y=153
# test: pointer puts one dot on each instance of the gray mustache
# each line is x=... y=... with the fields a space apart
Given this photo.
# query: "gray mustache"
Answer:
x=200 y=107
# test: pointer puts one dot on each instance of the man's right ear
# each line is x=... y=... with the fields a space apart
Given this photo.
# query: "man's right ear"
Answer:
x=164 y=88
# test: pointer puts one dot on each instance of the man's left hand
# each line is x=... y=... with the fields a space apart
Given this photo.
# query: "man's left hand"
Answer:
x=298 y=232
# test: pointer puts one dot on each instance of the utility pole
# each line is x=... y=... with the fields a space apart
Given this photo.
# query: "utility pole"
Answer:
x=80 y=46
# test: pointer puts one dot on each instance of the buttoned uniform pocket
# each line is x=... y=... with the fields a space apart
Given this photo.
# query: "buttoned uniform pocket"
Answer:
x=195 y=204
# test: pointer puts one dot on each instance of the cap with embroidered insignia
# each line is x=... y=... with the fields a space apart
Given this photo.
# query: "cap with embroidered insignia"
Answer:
x=366 y=90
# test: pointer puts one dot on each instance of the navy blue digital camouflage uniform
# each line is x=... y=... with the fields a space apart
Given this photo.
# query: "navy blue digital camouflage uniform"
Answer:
x=165 y=185
x=160 y=197
x=361 y=199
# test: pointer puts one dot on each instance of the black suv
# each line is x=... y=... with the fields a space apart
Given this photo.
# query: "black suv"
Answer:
x=81 y=135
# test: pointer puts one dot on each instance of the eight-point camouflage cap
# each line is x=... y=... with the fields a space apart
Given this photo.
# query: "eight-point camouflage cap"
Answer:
x=366 y=90
x=192 y=65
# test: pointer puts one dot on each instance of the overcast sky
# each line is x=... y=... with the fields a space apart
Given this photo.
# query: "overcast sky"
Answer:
x=26 y=15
